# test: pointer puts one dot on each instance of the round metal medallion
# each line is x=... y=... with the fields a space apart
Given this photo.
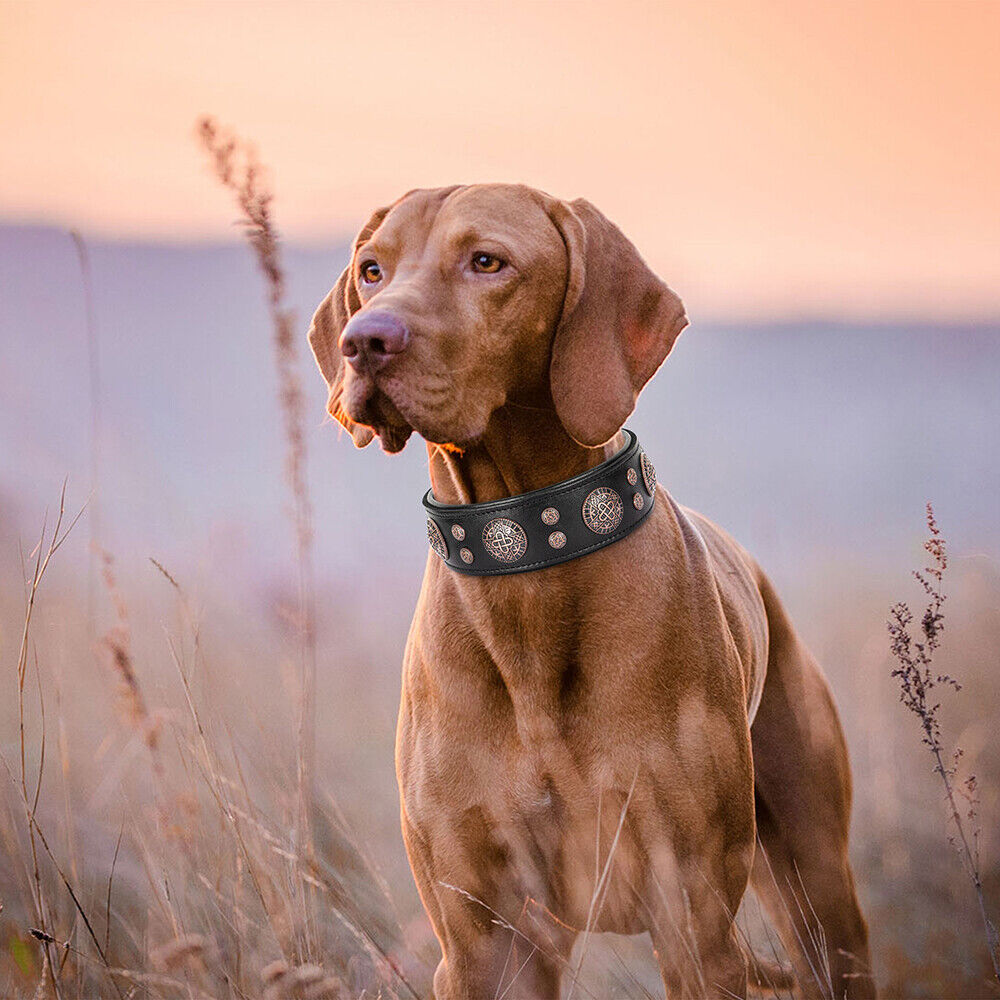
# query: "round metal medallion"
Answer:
x=436 y=539
x=637 y=501
x=602 y=510
x=648 y=474
x=632 y=476
x=550 y=516
x=557 y=539
x=457 y=532
x=505 y=539
x=466 y=554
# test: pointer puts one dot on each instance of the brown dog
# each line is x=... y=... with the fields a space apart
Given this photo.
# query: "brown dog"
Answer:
x=598 y=745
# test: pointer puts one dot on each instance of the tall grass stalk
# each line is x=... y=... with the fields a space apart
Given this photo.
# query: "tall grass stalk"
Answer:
x=39 y=559
x=94 y=386
x=237 y=168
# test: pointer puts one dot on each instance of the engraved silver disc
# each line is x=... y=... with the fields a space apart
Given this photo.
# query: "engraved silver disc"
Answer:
x=436 y=539
x=505 y=539
x=602 y=510
x=648 y=474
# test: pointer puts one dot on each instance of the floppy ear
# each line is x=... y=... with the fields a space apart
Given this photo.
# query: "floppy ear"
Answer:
x=619 y=321
x=328 y=323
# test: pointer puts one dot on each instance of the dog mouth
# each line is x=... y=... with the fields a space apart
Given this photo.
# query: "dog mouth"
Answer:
x=394 y=407
x=367 y=404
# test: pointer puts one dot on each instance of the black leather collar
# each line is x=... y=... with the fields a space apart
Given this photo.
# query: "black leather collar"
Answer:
x=548 y=526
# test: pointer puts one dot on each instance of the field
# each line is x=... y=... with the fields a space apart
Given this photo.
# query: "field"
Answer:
x=168 y=854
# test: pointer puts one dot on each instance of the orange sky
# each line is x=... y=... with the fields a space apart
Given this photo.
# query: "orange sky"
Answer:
x=768 y=158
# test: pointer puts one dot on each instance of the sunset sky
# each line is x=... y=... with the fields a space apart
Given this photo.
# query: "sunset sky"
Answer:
x=770 y=159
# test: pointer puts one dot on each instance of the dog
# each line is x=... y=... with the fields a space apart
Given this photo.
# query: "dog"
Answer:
x=623 y=742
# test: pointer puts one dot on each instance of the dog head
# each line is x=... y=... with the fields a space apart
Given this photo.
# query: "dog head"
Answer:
x=459 y=300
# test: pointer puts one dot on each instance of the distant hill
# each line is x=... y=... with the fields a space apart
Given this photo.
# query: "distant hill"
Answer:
x=807 y=440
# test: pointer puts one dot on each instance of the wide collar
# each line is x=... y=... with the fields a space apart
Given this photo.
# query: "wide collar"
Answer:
x=548 y=526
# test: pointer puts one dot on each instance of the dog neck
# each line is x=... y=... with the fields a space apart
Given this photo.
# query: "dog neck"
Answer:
x=523 y=448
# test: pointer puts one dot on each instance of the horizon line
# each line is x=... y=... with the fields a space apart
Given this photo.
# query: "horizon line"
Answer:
x=888 y=319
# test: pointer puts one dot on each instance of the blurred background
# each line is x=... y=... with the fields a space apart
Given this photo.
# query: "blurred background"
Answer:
x=817 y=181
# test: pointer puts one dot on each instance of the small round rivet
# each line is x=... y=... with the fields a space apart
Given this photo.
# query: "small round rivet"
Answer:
x=457 y=532
x=557 y=539
x=466 y=555
x=637 y=501
x=632 y=476
x=550 y=516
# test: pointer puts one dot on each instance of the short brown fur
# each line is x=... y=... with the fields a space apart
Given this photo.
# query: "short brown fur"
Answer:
x=601 y=708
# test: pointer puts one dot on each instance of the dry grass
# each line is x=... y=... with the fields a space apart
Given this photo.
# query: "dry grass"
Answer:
x=219 y=900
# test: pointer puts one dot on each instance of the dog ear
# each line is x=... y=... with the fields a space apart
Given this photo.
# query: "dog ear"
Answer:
x=328 y=323
x=618 y=322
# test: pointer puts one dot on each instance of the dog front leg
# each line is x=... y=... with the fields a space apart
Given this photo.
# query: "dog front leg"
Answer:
x=495 y=941
x=495 y=965
x=701 y=850
x=694 y=934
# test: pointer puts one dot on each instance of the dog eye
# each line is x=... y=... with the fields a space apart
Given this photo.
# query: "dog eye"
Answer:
x=370 y=272
x=486 y=263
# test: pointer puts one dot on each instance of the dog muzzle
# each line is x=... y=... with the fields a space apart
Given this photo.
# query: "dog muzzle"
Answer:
x=544 y=527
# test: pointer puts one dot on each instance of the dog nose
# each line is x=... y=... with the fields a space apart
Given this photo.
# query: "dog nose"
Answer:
x=371 y=339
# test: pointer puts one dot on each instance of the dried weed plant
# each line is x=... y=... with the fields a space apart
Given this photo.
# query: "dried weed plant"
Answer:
x=919 y=684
